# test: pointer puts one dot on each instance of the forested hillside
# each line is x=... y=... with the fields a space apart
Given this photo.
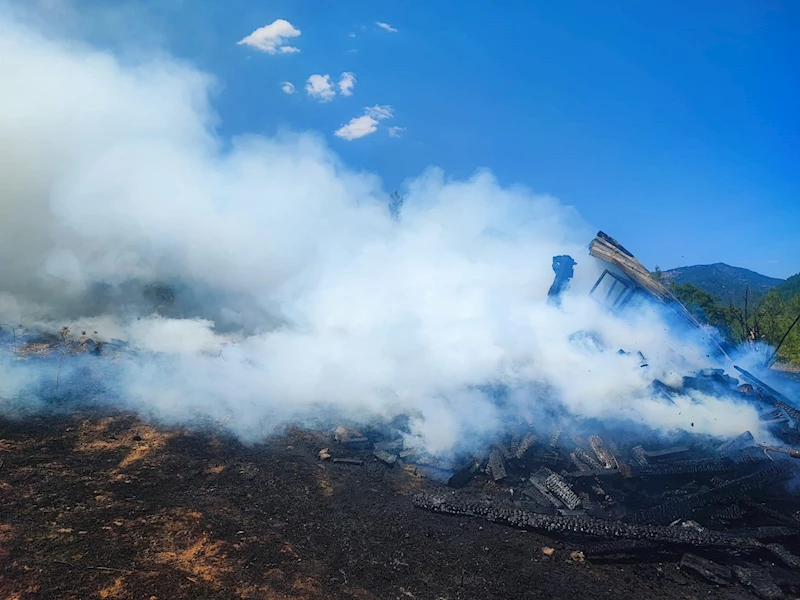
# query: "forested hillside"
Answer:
x=724 y=281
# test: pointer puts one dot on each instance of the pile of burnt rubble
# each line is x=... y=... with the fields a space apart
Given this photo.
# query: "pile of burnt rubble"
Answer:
x=728 y=511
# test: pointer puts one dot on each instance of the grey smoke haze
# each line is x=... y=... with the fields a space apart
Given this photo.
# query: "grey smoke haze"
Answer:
x=309 y=296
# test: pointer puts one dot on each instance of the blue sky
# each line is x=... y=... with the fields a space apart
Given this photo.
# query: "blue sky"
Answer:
x=673 y=126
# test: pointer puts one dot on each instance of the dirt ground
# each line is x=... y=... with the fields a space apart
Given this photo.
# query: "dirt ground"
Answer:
x=109 y=507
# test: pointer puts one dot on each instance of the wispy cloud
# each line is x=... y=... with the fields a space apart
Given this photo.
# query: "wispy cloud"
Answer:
x=351 y=35
x=287 y=87
x=380 y=112
x=395 y=131
x=366 y=124
x=272 y=38
x=346 y=83
x=386 y=26
x=320 y=87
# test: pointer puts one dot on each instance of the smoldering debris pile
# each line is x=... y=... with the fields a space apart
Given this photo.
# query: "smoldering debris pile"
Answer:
x=730 y=508
x=727 y=511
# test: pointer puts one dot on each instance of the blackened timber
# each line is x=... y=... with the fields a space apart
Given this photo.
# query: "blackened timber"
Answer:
x=525 y=444
x=611 y=251
x=789 y=559
x=771 y=513
x=779 y=399
x=560 y=488
x=677 y=508
x=768 y=532
x=593 y=473
x=586 y=526
x=604 y=455
x=497 y=466
x=759 y=581
x=348 y=461
x=665 y=452
x=584 y=455
x=706 y=569
x=619 y=547
x=685 y=467
x=537 y=482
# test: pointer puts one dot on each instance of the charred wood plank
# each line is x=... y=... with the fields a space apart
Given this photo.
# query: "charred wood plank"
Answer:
x=497 y=465
x=677 y=508
x=524 y=445
x=685 y=467
x=584 y=456
x=348 y=461
x=560 y=488
x=776 y=516
x=706 y=569
x=666 y=452
x=604 y=456
x=584 y=526
x=759 y=581
x=384 y=456
x=768 y=532
x=593 y=473
x=789 y=559
x=538 y=483
x=620 y=547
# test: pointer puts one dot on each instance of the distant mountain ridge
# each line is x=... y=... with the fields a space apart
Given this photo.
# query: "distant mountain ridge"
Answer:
x=723 y=281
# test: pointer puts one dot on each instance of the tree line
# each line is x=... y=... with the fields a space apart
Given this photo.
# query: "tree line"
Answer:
x=773 y=318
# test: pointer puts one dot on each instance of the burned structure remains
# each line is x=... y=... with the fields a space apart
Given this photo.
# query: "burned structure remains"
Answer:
x=727 y=511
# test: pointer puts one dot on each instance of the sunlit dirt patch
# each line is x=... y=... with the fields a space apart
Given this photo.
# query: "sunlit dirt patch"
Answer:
x=185 y=546
x=325 y=482
x=114 y=591
x=133 y=443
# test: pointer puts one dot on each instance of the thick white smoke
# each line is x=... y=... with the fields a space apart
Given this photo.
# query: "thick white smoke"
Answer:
x=308 y=295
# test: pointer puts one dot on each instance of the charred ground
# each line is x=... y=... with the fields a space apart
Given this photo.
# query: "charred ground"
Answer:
x=107 y=506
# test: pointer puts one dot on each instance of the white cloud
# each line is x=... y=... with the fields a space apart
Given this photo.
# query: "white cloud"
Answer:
x=364 y=125
x=386 y=26
x=287 y=87
x=346 y=83
x=272 y=38
x=396 y=132
x=357 y=127
x=320 y=87
x=351 y=35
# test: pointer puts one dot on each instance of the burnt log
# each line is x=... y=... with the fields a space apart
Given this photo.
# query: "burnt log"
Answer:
x=789 y=559
x=619 y=547
x=582 y=526
x=685 y=467
x=678 y=508
x=706 y=569
x=560 y=488
x=759 y=581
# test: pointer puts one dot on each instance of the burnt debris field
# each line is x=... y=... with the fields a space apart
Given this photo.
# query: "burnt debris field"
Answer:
x=106 y=506
x=105 y=497
x=102 y=504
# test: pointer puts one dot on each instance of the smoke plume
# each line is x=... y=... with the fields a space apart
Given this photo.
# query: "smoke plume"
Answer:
x=260 y=280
